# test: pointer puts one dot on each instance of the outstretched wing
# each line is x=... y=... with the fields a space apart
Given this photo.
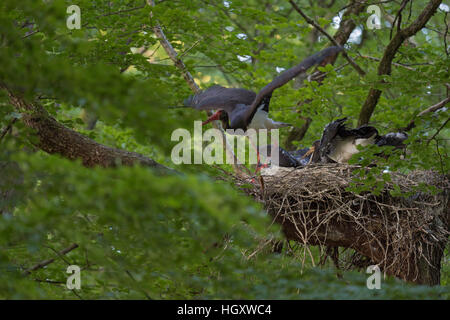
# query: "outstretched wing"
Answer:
x=395 y=139
x=218 y=97
x=288 y=75
x=328 y=135
x=363 y=132
x=339 y=143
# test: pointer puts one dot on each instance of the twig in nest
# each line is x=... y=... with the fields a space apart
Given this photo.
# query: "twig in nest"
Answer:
x=315 y=207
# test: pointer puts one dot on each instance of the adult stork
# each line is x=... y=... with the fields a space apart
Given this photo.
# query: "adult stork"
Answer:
x=243 y=109
x=339 y=143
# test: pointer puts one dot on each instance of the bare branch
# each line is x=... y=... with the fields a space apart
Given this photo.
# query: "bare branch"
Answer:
x=437 y=131
x=398 y=18
x=393 y=63
x=297 y=133
x=172 y=53
x=347 y=24
x=433 y=108
x=346 y=27
x=191 y=82
x=44 y=263
x=318 y=27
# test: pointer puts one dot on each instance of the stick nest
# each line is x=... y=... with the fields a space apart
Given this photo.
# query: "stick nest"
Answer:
x=399 y=234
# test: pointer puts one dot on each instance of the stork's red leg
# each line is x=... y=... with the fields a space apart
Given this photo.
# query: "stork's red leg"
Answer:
x=259 y=165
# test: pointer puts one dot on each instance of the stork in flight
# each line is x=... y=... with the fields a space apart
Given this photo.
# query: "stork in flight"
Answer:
x=243 y=109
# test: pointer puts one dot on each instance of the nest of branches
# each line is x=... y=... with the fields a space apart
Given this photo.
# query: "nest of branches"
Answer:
x=404 y=236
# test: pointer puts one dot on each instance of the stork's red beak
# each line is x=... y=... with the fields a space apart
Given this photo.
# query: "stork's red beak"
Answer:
x=215 y=116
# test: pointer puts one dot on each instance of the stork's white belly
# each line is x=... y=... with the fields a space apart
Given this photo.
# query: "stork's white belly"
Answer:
x=346 y=148
x=261 y=120
x=343 y=151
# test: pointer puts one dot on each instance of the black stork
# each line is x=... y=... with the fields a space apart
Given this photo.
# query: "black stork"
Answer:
x=290 y=159
x=243 y=109
x=306 y=156
x=285 y=158
x=339 y=143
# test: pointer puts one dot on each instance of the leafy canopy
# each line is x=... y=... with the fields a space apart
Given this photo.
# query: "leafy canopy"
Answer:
x=145 y=235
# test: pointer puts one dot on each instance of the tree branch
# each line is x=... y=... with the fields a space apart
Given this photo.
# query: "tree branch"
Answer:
x=398 y=18
x=347 y=24
x=55 y=138
x=194 y=87
x=47 y=262
x=384 y=68
x=393 y=63
x=7 y=128
x=172 y=53
x=318 y=27
x=437 y=132
x=346 y=27
x=433 y=108
x=297 y=134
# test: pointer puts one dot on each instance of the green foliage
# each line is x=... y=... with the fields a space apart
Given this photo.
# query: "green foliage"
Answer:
x=187 y=235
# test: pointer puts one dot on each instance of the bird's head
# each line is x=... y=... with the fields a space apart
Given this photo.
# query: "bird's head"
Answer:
x=219 y=115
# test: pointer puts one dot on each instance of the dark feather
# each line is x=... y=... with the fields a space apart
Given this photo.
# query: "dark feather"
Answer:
x=328 y=135
x=266 y=102
x=336 y=134
x=241 y=104
x=299 y=155
x=288 y=158
x=395 y=139
x=218 y=97
x=285 y=159
x=291 y=73
x=363 y=132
